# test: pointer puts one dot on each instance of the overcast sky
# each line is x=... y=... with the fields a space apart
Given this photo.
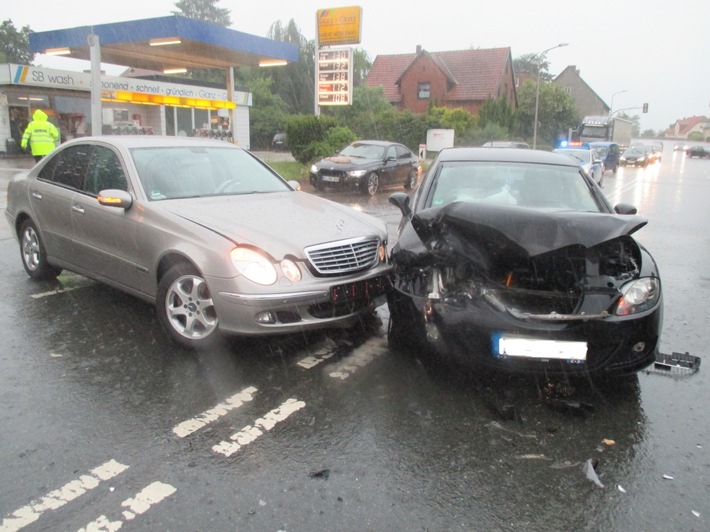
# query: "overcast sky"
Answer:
x=655 y=50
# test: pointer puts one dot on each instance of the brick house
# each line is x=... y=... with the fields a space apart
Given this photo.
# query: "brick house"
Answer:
x=683 y=127
x=585 y=101
x=459 y=78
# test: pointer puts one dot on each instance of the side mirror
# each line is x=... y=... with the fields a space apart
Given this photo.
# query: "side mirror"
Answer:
x=115 y=198
x=401 y=201
x=625 y=208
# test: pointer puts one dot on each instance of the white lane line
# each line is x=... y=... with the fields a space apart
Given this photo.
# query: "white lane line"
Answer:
x=59 y=497
x=365 y=354
x=55 y=292
x=208 y=416
x=251 y=432
x=324 y=353
x=138 y=505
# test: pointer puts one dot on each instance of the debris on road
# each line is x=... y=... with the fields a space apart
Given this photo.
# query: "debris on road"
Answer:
x=590 y=471
x=675 y=364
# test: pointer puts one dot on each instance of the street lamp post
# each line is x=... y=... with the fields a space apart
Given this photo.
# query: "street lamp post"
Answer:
x=611 y=108
x=537 y=88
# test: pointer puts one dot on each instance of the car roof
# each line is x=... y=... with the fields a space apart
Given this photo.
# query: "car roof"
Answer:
x=376 y=142
x=504 y=155
x=149 y=141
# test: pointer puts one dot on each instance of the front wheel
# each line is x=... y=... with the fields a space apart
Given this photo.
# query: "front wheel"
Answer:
x=34 y=256
x=411 y=180
x=185 y=308
x=371 y=183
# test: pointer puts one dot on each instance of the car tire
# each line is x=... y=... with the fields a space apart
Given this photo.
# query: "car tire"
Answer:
x=411 y=180
x=185 y=308
x=34 y=256
x=371 y=183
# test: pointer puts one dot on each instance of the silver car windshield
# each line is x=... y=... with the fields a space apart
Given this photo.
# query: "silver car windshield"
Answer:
x=198 y=171
x=515 y=184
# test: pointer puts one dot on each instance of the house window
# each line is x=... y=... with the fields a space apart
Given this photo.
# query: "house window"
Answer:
x=424 y=91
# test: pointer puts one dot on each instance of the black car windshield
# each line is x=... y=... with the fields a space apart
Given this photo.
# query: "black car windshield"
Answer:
x=365 y=151
x=517 y=184
x=198 y=171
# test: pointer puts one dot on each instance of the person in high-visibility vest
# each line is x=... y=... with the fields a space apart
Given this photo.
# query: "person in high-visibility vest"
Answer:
x=41 y=134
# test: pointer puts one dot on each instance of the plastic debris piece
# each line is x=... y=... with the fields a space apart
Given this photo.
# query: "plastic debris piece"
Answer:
x=323 y=473
x=591 y=474
x=668 y=477
x=621 y=489
x=607 y=441
x=676 y=364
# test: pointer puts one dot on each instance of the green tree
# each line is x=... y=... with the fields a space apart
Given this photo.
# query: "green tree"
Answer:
x=206 y=10
x=295 y=81
x=14 y=44
x=361 y=66
x=496 y=112
x=268 y=114
x=556 y=114
x=635 y=120
x=532 y=64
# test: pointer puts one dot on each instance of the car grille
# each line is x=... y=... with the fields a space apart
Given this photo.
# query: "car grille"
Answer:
x=345 y=256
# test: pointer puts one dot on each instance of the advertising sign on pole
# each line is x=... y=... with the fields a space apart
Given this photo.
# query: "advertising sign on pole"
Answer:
x=339 y=25
x=335 y=73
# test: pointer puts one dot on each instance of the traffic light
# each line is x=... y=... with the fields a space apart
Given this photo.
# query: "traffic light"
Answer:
x=645 y=108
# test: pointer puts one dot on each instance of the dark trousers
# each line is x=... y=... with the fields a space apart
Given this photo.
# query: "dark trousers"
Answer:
x=38 y=158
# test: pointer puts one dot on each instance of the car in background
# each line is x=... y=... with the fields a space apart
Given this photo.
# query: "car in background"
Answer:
x=634 y=156
x=653 y=154
x=506 y=144
x=367 y=166
x=515 y=260
x=609 y=153
x=278 y=143
x=202 y=229
x=588 y=159
x=702 y=152
x=680 y=147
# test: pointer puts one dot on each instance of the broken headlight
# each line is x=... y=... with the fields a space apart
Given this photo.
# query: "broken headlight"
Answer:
x=638 y=296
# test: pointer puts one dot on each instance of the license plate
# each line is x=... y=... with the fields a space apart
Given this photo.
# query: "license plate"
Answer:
x=535 y=348
x=369 y=289
x=331 y=178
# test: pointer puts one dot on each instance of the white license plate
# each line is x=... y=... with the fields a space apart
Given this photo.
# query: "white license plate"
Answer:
x=331 y=178
x=516 y=346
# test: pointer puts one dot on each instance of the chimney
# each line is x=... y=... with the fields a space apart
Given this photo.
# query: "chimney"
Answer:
x=419 y=49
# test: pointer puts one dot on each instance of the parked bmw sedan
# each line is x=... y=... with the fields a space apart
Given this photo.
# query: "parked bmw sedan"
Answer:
x=514 y=259
x=204 y=230
x=367 y=166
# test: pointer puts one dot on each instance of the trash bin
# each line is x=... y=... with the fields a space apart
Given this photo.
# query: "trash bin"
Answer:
x=11 y=147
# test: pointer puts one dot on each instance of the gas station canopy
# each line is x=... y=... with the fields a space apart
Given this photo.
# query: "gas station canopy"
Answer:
x=166 y=44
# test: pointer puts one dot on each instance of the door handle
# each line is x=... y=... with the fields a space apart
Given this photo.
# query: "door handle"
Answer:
x=78 y=209
x=36 y=195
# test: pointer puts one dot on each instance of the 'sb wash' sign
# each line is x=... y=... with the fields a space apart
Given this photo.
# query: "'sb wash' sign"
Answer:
x=339 y=25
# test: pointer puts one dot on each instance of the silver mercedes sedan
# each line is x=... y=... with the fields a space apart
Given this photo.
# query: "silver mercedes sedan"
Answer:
x=202 y=229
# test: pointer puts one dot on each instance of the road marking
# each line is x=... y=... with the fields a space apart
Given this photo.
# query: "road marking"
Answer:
x=208 y=416
x=365 y=354
x=138 y=505
x=57 y=498
x=251 y=432
x=55 y=292
x=324 y=353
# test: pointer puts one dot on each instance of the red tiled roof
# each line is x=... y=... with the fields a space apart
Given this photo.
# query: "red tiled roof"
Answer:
x=686 y=124
x=476 y=73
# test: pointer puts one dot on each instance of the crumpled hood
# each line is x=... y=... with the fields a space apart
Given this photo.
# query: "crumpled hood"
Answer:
x=281 y=223
x=523 y=231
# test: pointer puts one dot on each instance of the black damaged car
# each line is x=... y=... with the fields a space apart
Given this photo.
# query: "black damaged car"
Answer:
x=367 y=166
x=515 y=259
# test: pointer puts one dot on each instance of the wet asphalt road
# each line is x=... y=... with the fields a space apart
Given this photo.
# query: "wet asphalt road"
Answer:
x=105 y=424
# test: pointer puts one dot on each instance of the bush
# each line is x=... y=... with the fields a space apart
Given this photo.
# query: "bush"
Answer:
x=303 y=131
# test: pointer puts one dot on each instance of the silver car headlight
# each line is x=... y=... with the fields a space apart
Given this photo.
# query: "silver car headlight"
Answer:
x=254 y=266
x=638 y=296
x=357 y=173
